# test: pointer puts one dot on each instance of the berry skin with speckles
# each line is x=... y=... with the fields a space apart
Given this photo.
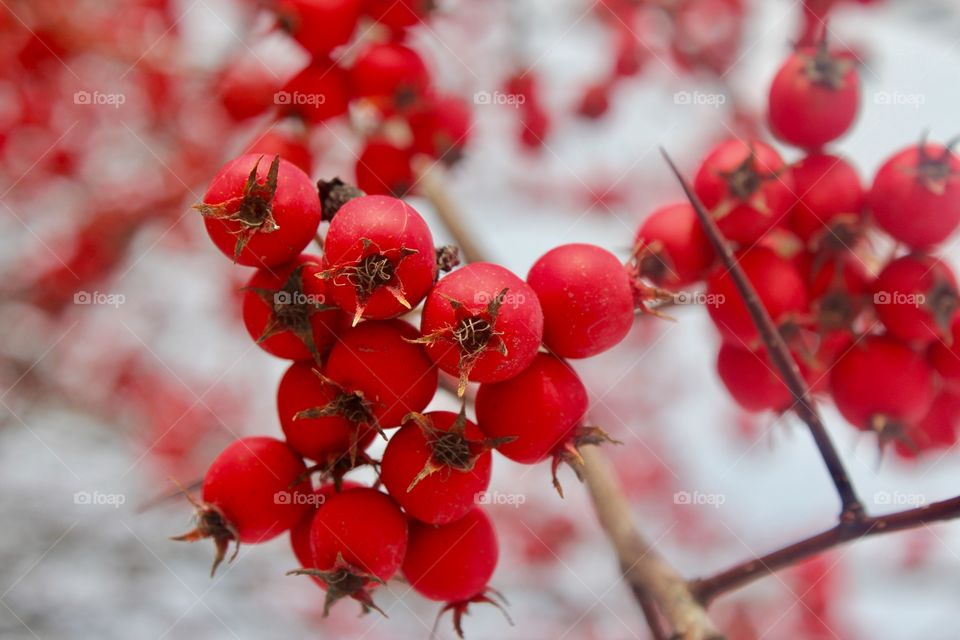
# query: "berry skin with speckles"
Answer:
x=671 y=249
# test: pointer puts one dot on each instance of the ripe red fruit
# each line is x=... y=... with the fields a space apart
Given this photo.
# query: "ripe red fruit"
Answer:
x=595 y=101
x=839 y=289
x=319 y=26
x=541 y=407
x=747 y=188
x=945 y=357
x=329 y=438
x=285 y=310
x=249 y=495
x=436 y=465
x=391 y=74
x=382 y=361
x=671 y=248
x=707 y=33
x=441 y=129
x=452 y=562
x=814 y=98
x=358 y=540
x=482 y=323
x=300 y=532
x=881 y=384
x=586 y=297
x=380 y=260
x=247 y=89
x=259 y=214
x=318 y=93
x=398 y=14
x=915 y=195
x=937 y=430
x=273 y=143
x=752 y=380
x=916 y=298
x=829 y=204
x=779 y=285
x=385 y=169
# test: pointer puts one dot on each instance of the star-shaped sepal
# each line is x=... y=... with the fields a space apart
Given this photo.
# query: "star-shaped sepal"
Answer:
x=345 y=580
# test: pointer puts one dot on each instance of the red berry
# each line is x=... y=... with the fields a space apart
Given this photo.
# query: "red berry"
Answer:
x=452 y=562
x=358 y=539
x=442 y=128
x=586 y=297
x=881 y=384
x=595 y=101
x=398 y=14
x=747 y=188
x=839 y=289
x=482 y=323
x=318 y=93
x=814 y=98
x=436 y=465
x=327 y=439
x=391 y=74
x=778 y=283
x=945 y=357
x=320 y=26
x=385 y=169
x=671 y=248
x=915 y=195
x=260 y=214
x=707 y=33
x=916 y=298
x=380 y=260
x=752 y=380
x=541 y=407
x=382 y=361
x=247 y=89
x=249 y=495
x=300 y=532
x=273 y=143
x=936 y=431
x=285 y=310
x=829 y=201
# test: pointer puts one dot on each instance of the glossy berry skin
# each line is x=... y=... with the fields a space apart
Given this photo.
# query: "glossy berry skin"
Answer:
x=294 y=208
x=452 y=562
x=318 y=93
x=752 y=380
x=383 y=168
x=586 y=297
x=541 y=407
x=380 y=259
x=448 y=493
x=365 y=527
x=814 y=98
x=829 y=193
x=379 y=359
x=461 y=301
x=390 y=74
x=881 y=381
x=672 y=249
x=300 y=532
x=319 y=26
x=242 y=484
x=916 y=298
x=944 y=356
x=915 y=195
x=778 y=283
x=747 y=193
x=282 y=310
x=325 y=439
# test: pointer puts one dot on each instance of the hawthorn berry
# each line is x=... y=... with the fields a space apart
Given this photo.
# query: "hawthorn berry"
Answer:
x=828 y=209
x=300 y=532
x=944 y=356
x=482 y=323
x=285 y=310
x=595 y=101
x=779 y=285
x=752 y=380
x=746 y=187
x=671 y=249
x=319 y=26
x=382 y=361
x=814 y=98
x=441 y=128
x=839 y=289
x=259 y=214
x=915 y=195
x=436 y=465
x=379 y=257
x=251 y=493
x=916 y=298
x=246 y=90
x=398 y=14
x=319 y=92
x=936 y=430
x=586 y=297
x=383 y=168
x=391 y=74
x=358 y=540
x=273 y=143
x=882 y=385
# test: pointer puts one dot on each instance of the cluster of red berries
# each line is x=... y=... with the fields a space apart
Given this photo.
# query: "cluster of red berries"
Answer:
x=359 y=370
x=876 y=335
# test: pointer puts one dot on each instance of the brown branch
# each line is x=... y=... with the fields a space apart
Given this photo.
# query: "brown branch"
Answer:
x=706 y=589
x=852 y=508
x=430 y=182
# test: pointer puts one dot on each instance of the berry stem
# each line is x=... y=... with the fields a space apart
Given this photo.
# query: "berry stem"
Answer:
x=430 y=179
x=852 y=509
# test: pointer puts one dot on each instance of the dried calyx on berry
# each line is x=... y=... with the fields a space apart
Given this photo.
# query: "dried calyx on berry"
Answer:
x=344 y=580
x=254 y=213
x=461 y=608
x=827 y=69
x=569 y=451
x=936 y=171
x=745 y=182
x=352 y=406
x=448 y=258
x=210 y=523
x=334 y=194
x=335 y=468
